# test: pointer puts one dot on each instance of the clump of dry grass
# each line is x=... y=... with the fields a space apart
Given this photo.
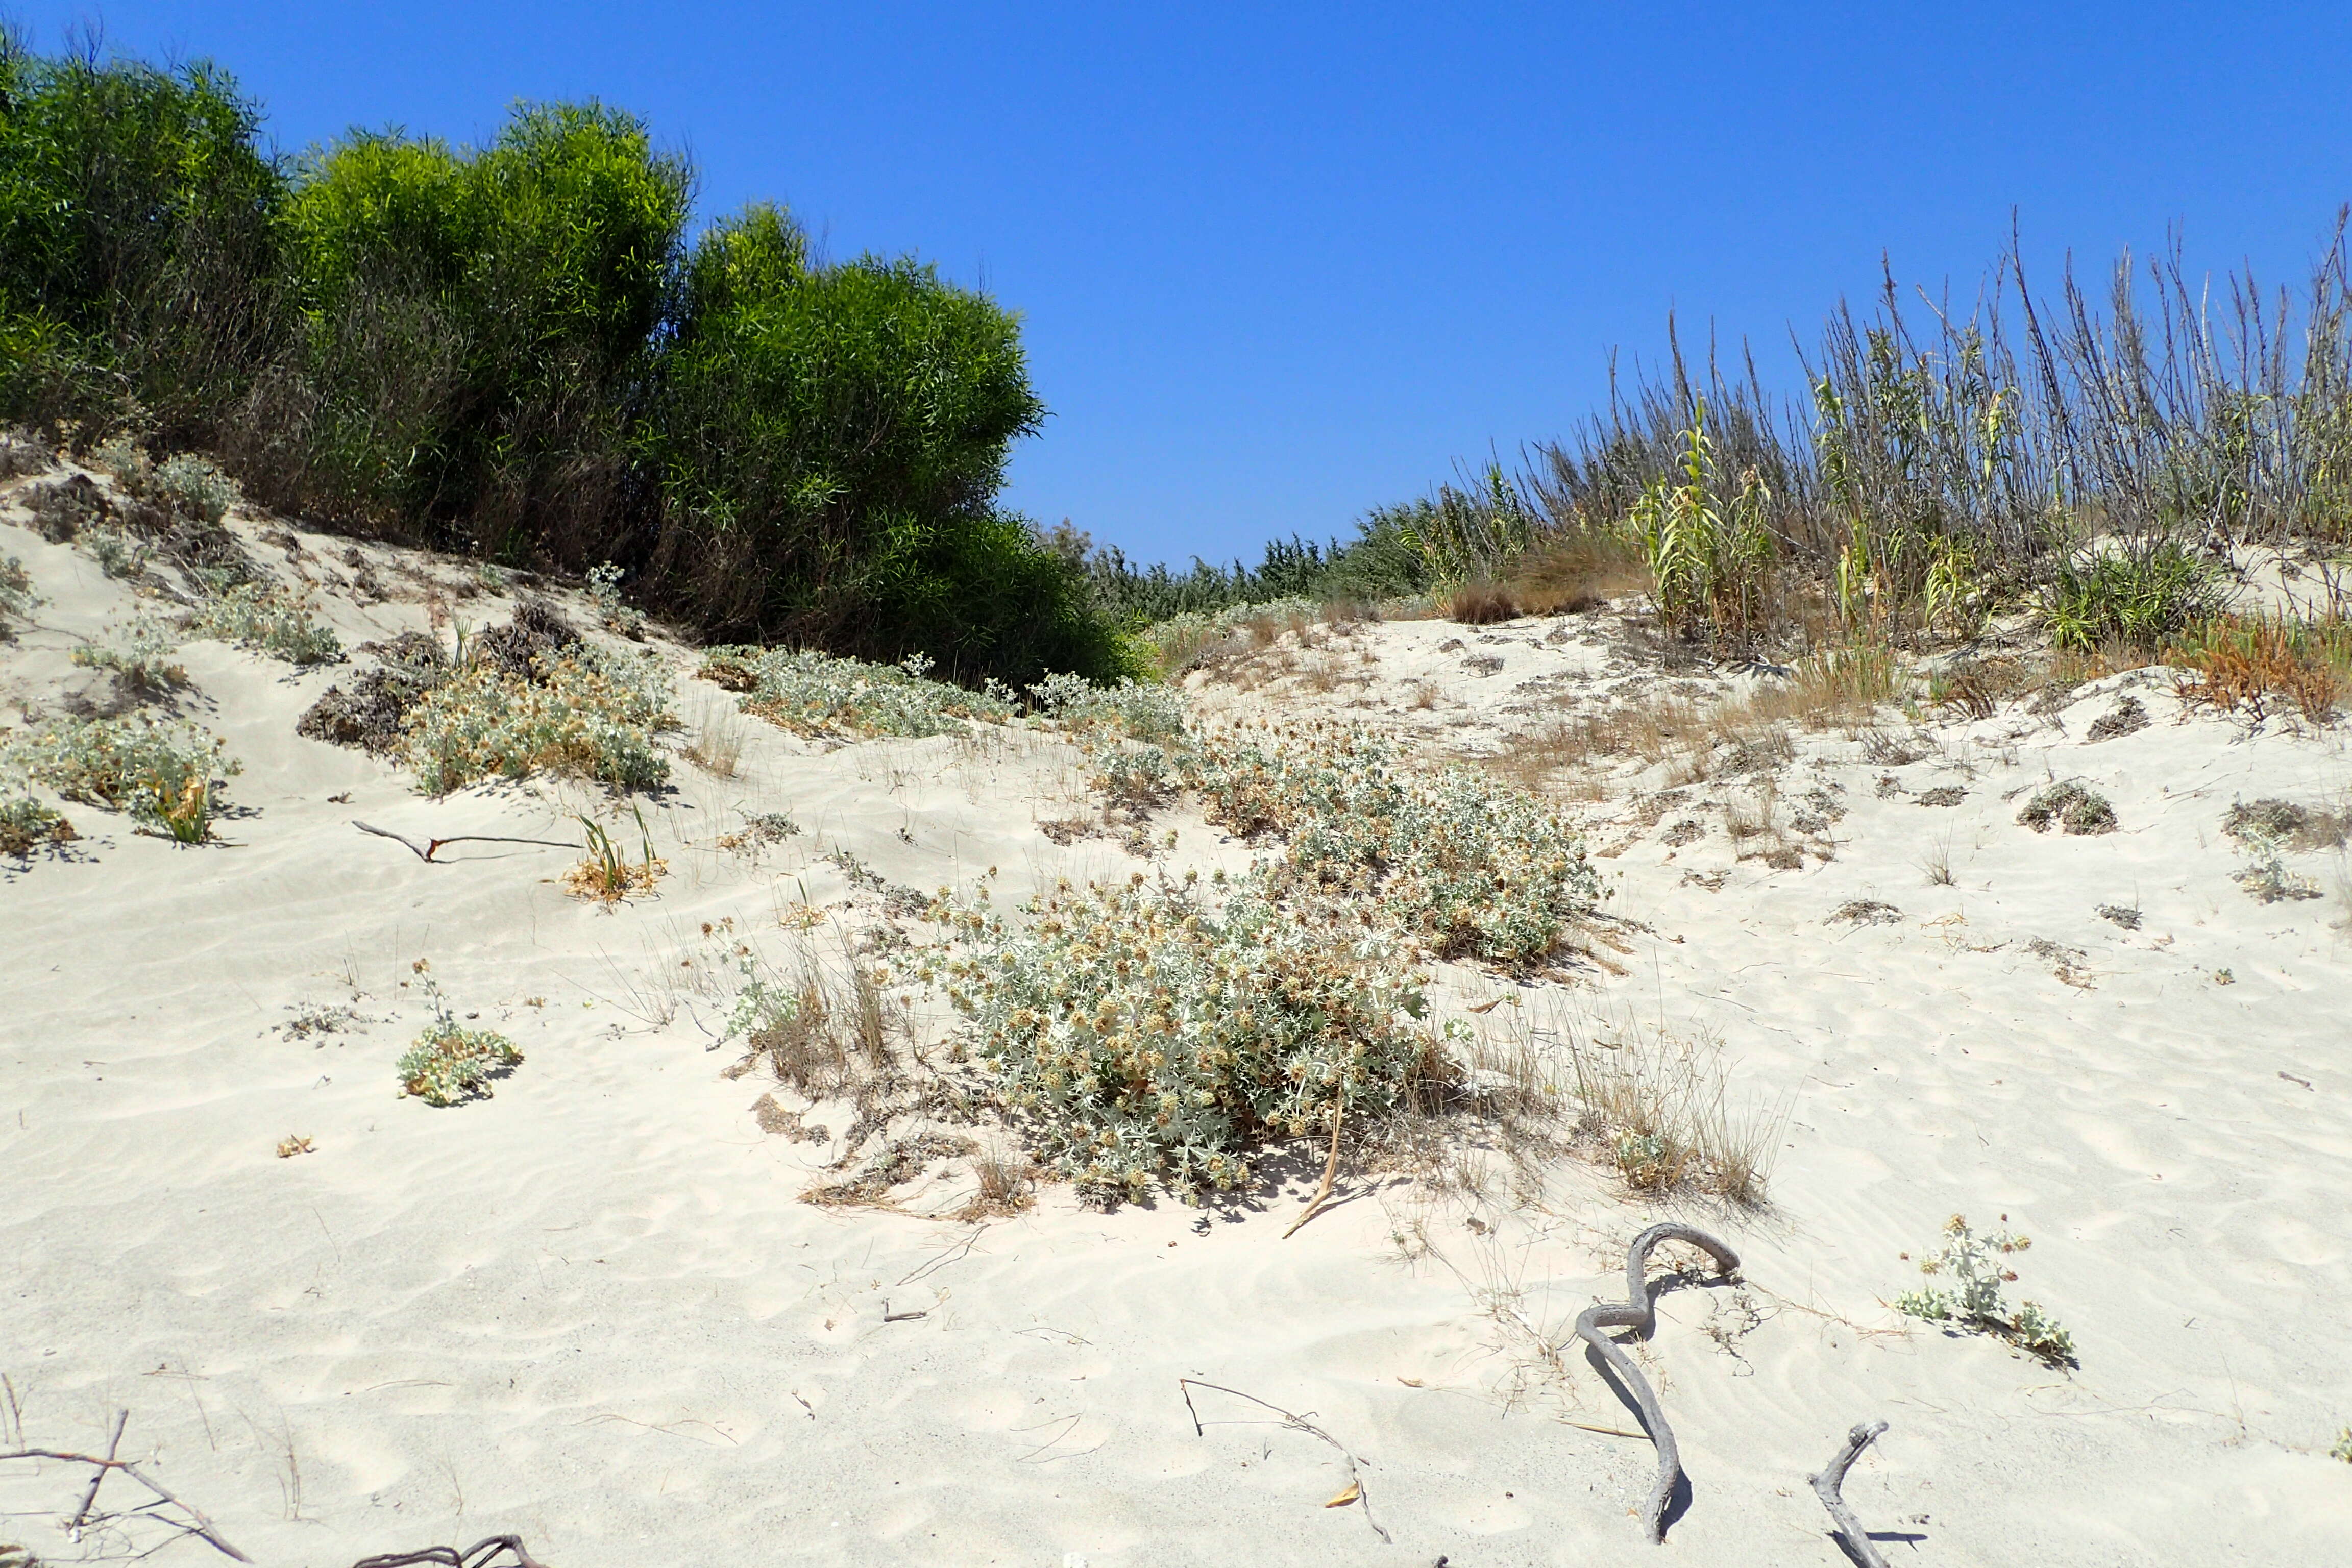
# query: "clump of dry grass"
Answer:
x=606 y=875
x=1482 y=604
x=1658 y=1110
x=717 y=747
x=2244 y=661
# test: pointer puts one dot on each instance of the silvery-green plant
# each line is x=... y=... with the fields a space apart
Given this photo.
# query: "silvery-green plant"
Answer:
x=1973 y=1264
x=1162 y=1031
x=1145 y=712
x=140 y=655
x=818 y=694
x=17 y=596
x=161 y=774
x=450 y=1063
x=592 y=712
x=269 y=620
x=604 y=592
x=194 y=487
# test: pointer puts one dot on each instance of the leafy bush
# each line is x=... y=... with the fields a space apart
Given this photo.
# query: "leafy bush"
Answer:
x=162 y=774
x=1473 y=868
x=813 y=694
x=269 y=620
x=2074 y=805
x=2137 y=597
x=1148 y=1033
x=1146 y=712
x=590 y=712
x=141 y=659
x=1972 y=1263
x=194 y=487
x=25 y=824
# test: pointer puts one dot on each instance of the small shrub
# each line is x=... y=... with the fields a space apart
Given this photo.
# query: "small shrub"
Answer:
x=269 y=620
x=125 y=461
x=140 y=660
x=604 y=592
x=1145 y=712
x=814 y=693
x=2136 y=599
x=1134 y=778
x=17 y=596
x=118 y=555
x=450 y=1063
x=591 y=713
x=1149 y=1033
x=2074 y=806
x=25 y=824
x=1971 y=1262
x=2266 y=877
x=2343 y=1448
x=372 y=715
x=23 y=453
x=194 y=487
x=760 y=830
x=2274 y=821
x=162 y=774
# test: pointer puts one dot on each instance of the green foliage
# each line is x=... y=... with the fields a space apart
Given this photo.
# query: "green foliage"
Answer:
x=588 y=712
x=161 y=774
x=450 y=1063
x=1706 y=545
x=1152 y=1033
x=1130 y=708
x=26 y=825
x=140 y=657
x=269 y=620
x=138 y=242
x=1972 y=1263
x=194 y=487
x=814 y=693
x=1468 y=866
x=2137 y=597
x=17 y=596
x=2072 y=805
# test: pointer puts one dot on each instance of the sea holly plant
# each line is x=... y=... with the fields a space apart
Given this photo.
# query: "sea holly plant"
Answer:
x=1974 y=1265
x=450 y=1063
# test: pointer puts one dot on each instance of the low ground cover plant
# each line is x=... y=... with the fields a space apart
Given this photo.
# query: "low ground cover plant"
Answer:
x=450 y=1063
x=1973 y=1264
x=1135 y=708
x=2071 y=805
x=17 y=596
x=1161 y=1032
x=26 y=825
x=138 y=656
x=161 y=774
x=269 y=620
x=1465 y=864
x=2252 y=662
x=588 y=712
x=813 y=694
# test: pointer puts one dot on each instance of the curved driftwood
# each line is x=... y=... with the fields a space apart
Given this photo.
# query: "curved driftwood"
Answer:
x=1636 y=1312
x=478 y=1555
x=1826 y=1485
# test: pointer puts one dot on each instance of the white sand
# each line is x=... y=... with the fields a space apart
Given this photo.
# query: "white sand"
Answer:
x=593 y=1309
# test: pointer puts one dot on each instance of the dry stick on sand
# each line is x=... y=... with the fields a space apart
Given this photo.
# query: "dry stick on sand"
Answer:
x=431 y=847
x=1356 y=1490
x=478 y=1555
x=97 y=1476
x=1855 y=1539
x=1330 y=1170
x=1637 y=1313
x=202 y=1528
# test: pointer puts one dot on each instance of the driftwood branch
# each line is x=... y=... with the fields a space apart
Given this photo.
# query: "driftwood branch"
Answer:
x=1826 y=1487
x=89 y=1498
x=431 y=847
x=481 y=1554
x=1356 y=1490
x=200 y=1527
x=1637 y=1313
x=1330 y=1172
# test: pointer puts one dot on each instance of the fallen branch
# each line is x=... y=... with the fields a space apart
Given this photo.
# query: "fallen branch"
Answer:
x=1826 y=1487
x=1638 y=1314
x=1331 y=1171
x=202 y=1528
x=1354 y=1490
x=97 y=1476
x=432 y=847
x=478 y=1555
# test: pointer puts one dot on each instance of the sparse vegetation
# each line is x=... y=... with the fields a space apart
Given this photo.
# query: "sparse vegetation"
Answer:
x=812 y=693
x=26 y=825
x=450 y=1063
x=269 y=620
x=2242 y=662
x=2071 y=805
x=1657 y=1110
x=162 y=774
x=588 y=712
x=606 y=874
x=17 y=596
x=1974 y=1265
x=138 y=656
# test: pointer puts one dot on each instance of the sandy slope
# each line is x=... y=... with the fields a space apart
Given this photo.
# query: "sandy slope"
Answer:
x=594 y=1310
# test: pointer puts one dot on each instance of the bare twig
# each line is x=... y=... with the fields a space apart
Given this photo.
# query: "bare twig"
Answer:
x=113 y=1445
x=1296 y=1422
x=1851 y=1535
x=432 y=847
x=202 y=1528
x=478 y=1555
x=1638 y=1314
x=1331 y=1171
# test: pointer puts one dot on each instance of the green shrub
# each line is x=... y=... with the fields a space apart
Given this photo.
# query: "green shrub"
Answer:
x=590 y=712
x=141 y=659
x=813 y=694
x=194 y=487
x=161 y=774
x=1152 y=1032
x=2074 y=805
x=1129 y=707
x=2136 y=598
x=269 y=620
x=25 y=824
x=1471 y=867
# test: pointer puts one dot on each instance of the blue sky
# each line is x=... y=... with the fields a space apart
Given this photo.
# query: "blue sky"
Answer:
x=1282 y=263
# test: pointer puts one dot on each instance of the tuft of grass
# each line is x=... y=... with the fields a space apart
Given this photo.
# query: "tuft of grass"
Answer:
x=606 y=874
x=588 y=712
x=2072 y=805
x=269 y=620
x=162 y=774
x=1658 y=1110
x=2243 y=661
x=1972 y=1262
x=1482 y=604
